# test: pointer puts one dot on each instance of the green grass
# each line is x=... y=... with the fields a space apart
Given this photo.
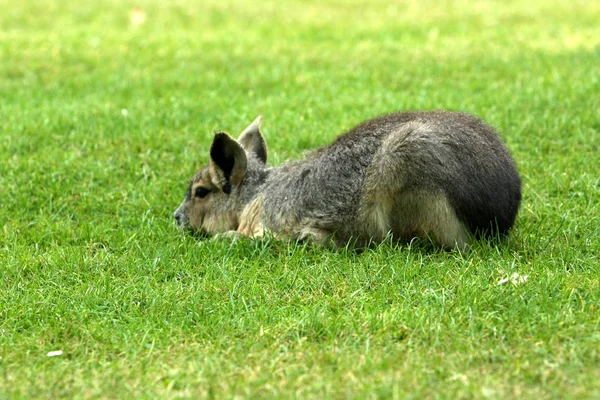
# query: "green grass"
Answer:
x=92 y=264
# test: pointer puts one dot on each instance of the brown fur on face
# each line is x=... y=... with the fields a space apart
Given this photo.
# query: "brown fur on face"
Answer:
x=203 y=198
x=214 y=202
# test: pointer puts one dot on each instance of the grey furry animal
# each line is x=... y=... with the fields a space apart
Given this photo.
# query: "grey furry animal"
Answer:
x=437 y=174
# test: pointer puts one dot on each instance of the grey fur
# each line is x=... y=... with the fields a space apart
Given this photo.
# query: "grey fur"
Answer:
x=441 y=174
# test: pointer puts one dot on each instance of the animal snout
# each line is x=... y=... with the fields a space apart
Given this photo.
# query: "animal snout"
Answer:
x=179 y=217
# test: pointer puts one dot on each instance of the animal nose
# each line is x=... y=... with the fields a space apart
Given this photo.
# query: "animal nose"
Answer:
x=178 y=217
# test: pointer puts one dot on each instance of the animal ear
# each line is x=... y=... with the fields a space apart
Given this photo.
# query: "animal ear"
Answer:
x=253 y=142
x=228 y=162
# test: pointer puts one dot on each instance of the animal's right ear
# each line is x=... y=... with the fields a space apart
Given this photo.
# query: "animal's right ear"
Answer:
x=228 y=162
x=253 y=142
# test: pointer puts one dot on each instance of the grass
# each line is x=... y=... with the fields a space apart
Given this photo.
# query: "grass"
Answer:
x=102 y=123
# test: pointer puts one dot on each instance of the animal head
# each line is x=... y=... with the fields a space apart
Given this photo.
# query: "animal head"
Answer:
x=216 y=195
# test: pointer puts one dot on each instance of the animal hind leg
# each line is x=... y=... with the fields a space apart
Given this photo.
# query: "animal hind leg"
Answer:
x=424 y=213
x=375 y=213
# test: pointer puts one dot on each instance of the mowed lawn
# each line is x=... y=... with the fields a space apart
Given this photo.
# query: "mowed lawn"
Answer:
x=108 y=108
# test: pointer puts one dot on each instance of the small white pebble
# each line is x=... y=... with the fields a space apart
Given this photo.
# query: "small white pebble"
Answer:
x=515 y=279
x=124 y=112
x=55 y=353
x=502 y=281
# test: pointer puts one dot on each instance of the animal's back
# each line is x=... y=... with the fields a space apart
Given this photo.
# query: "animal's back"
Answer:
x=322 y=191
x=410 y=173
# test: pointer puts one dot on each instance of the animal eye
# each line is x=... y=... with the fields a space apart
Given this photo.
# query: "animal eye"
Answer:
x=201 y=192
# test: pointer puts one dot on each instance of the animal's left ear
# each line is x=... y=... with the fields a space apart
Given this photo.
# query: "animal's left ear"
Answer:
x=228 y=162
x=252 y=140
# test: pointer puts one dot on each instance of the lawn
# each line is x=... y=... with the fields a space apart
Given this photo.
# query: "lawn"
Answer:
x=108 y=108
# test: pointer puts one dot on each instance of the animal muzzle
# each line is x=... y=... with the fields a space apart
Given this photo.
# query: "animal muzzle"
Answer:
x=180 y=217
